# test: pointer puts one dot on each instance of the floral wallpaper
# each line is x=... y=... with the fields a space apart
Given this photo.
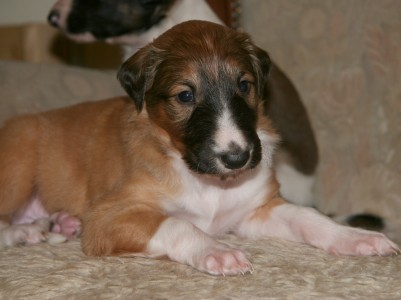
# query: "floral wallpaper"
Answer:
x=344 y=56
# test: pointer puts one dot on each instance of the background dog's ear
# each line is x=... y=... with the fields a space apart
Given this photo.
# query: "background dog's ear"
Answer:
x=152 y=3
x=158 y=8
x=136 y=75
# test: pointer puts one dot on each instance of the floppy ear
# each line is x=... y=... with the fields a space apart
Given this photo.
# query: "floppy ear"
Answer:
x=136 y=75
x=262 y=66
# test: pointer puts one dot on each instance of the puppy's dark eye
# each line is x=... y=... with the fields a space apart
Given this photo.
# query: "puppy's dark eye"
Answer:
x=244 y=86
x=186 y=97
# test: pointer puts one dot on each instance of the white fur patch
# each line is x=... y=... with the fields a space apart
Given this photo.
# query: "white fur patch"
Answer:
x=295 y=186
x=228 y=133
x=180 y=11
x=269 y=145
x=183 y=242
x=11 y=235
x=213 y=205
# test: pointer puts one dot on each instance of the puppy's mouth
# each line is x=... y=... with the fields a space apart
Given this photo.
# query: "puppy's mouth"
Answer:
x=232 y=175
x=227 y=178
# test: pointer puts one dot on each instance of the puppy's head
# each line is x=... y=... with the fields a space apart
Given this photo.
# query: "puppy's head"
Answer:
x=89 y=20
x=203 y=84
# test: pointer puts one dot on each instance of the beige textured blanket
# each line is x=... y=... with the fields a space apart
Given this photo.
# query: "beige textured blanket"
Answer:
x=282 y=270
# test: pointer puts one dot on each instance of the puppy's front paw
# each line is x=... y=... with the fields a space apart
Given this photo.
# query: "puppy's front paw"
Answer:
x=365 y=243
x=223 y=261
x=183 y=242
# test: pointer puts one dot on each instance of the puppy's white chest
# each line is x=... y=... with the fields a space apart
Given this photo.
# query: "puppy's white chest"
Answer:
x=216 y=207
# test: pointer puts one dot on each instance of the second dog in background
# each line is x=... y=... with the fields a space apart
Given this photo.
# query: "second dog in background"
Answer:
x=134 y=23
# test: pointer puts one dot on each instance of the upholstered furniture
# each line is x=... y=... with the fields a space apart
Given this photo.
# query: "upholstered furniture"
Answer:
x=345 y=59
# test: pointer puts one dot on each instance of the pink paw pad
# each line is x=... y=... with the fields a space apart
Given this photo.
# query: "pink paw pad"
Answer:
x=226 y=262
x=66 y=225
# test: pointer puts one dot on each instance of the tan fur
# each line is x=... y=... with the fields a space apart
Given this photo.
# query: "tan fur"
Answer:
x=67 y=147
x=272 y=200
x=18 y=157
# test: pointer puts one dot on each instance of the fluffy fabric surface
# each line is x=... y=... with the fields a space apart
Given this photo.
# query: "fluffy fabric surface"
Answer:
x=281 y=270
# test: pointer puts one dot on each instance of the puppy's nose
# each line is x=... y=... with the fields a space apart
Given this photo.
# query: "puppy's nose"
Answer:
x=235 y=159
x=53 y=18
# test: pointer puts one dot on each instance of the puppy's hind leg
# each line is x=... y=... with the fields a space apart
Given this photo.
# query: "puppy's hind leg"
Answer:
x=18 y=158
